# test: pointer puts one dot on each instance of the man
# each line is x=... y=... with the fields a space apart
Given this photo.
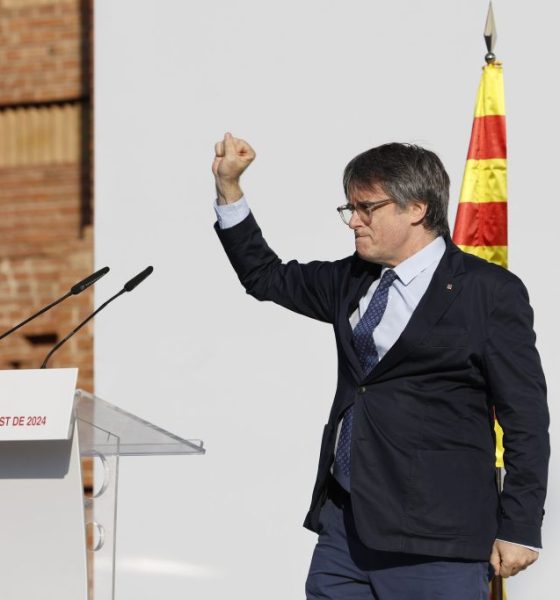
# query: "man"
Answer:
x=430 y=342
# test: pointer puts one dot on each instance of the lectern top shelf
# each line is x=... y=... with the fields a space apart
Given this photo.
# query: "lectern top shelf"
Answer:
x=116 y=431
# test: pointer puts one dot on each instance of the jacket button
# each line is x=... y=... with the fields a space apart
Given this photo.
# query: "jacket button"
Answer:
x=362 y=389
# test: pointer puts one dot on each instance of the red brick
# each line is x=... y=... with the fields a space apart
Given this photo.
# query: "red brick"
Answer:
x=43 y=250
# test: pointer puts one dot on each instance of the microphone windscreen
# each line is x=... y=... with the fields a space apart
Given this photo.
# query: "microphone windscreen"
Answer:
x=79 y=287
x=138 y=279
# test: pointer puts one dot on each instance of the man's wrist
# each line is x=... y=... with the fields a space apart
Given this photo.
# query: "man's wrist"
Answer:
x=228 y=191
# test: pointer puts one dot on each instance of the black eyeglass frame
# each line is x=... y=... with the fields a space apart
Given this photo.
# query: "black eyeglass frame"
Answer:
x=363 y=208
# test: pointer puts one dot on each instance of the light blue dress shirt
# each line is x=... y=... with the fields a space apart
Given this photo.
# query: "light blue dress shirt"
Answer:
x=413 y=278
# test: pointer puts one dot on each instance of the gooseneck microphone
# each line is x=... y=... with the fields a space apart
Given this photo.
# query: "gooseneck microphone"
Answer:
x=76 y=289
x=128 y=287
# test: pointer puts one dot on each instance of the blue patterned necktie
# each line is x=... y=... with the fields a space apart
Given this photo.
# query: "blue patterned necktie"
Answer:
x=367 y=354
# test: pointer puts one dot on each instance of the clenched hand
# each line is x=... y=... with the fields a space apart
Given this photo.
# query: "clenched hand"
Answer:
x=508 y=559
x=233 y=156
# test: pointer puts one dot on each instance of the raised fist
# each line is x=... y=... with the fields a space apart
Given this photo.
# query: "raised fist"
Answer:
x=233 y=156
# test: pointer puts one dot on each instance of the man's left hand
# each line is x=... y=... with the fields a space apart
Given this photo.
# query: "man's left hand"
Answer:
x=508 y=559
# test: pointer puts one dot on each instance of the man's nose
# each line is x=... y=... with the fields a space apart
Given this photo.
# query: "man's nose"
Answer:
x=355 y=220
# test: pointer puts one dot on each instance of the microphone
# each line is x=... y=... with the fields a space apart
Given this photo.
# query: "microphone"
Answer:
x=137 y=279
x=76 y=289
x=128 y=287
x=79 y=287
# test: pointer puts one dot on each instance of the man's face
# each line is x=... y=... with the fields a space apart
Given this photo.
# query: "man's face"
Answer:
x=390 y=235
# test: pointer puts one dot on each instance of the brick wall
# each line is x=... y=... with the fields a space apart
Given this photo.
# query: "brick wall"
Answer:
x=46 y=241
x=40 y=55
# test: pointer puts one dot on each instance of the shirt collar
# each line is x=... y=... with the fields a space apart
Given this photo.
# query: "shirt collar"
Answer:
x=410 y=268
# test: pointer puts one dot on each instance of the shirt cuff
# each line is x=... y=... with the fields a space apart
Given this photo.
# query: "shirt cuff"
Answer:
x=230 y=215
x=522 y=545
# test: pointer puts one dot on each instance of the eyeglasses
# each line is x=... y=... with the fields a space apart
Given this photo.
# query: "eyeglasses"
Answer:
x=364 y=210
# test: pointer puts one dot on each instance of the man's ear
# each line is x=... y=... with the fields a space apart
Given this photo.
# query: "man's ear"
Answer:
x=418 y=210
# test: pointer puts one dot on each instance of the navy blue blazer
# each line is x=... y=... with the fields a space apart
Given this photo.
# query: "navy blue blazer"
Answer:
x=423 y=447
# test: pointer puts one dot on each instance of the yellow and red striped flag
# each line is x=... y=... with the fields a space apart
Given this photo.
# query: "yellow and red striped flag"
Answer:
x=481 y=221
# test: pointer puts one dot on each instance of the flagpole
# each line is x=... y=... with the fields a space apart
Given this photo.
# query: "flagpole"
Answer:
x=481 y=221
x=497 y=587
x=490 y=37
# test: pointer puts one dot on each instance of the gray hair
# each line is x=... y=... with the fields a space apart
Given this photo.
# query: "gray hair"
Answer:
x=406 y=173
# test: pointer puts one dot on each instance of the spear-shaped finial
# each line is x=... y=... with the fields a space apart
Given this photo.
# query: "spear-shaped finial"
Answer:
x=490 y=35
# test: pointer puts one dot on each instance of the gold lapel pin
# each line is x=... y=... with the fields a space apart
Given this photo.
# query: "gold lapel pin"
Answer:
x=449 y=286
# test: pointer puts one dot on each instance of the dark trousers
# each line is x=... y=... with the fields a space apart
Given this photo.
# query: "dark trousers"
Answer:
x=342 y=568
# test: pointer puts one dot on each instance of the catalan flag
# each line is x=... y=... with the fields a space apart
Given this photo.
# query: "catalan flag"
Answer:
x=481 y=221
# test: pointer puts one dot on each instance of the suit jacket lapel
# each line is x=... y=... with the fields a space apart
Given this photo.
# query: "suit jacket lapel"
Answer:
x=359 y=285
x=441 y=293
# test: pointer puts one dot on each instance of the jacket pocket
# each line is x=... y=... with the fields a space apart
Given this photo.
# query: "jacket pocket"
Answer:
x=445 y=490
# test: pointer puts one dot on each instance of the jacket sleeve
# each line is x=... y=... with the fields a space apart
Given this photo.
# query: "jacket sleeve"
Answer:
x=307 y=289
x=518 y=390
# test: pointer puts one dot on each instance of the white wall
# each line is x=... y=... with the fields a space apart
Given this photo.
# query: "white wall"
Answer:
x=309 y=84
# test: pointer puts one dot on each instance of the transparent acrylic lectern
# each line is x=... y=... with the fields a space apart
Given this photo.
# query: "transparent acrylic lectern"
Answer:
x=106 y=432
x=53 y=537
